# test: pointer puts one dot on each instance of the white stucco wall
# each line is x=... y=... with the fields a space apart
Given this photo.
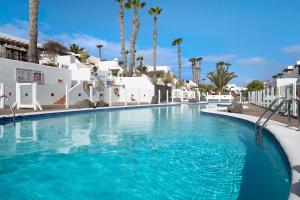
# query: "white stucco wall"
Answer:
x=285 y=81
x=51 y=74
x=137 y=89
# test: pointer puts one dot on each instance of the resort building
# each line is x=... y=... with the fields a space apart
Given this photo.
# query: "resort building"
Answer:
x=14 y=48
x=235 y=88
x=165 y=69
x=94 y=80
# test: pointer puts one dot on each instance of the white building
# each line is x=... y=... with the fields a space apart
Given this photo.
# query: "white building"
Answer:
x=108 y=66
x=95 y=80
x=165 y=69
x=235 y=88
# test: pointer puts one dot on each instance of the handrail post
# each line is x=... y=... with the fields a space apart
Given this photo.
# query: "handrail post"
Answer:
x=67 y=96
x=1 y=93
x=289 y=112
x=298 y=113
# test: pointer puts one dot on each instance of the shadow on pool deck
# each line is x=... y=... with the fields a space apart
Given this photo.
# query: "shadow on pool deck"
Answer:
x=296 y=186
x=257 y=111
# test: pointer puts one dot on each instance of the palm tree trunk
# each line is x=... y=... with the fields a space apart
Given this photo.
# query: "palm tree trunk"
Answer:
x=199 y=73
x=193 y=70
x=121 y=24
x=33 y=31
x=154 y=49
x=136 y=25
x=179 y=63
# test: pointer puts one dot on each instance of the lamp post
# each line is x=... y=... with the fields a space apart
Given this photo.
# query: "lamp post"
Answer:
x=99 y=46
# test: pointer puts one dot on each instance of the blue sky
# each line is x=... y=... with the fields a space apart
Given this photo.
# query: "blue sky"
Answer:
x=259 y=37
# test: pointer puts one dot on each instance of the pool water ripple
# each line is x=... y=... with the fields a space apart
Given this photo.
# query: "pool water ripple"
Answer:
x=150 y=153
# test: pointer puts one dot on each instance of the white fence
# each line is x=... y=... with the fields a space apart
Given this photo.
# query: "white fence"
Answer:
x=219 y=97
x=1 y=93
x=266 y=96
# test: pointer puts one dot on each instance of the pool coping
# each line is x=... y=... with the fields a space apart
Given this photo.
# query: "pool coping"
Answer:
x=288 y=138
x=33 y=115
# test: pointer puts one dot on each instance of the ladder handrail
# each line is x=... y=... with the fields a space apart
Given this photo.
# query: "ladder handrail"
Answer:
x=272 y=113
x=268 y=109
x=10 y=106
x=289 y=101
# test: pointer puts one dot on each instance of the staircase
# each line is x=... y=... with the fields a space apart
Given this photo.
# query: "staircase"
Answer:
x=61 y=101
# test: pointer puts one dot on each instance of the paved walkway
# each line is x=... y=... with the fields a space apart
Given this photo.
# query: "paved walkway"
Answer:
x=6 y=111
x=257 y=111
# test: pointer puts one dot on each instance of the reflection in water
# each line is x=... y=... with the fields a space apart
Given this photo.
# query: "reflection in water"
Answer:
x=154 y=153
x=259 y=139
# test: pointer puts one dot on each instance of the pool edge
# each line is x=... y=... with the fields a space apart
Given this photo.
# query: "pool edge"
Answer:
x=288 y=139
x=4 y=119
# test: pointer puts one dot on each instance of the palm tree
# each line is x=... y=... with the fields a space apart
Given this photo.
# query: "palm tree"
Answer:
x=75 y=48
x=33 y=31
x=198 y=70
x=177 y=42
x=221 y=77
x=122 y=37
x=193 y=61
x=155 y=11
x=135 y=5
x=140 y=59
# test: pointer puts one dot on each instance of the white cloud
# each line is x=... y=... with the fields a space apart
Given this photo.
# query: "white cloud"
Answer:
x=219 y=57
x=165 y=56
x=252 y=61
x=292 y=49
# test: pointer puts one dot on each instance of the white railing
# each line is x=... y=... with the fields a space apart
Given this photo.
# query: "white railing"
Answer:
x=34 y=102
x=219 y=97
x=266 y=96
x=1 y=94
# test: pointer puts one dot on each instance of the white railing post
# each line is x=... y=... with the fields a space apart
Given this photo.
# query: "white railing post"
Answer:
x=295 y=97
x=34 y=96
x=139 y=97
x=219 y=96
x=268 y=97
x=172 y=95
x=158 y=96
x=167 y=96
x=125 y=96
x=18 y=97
x=261 y=98
x=109 y=96
x=181 y=95
x=240 y=97
x=91 y=93
x=207 y=96
x=272 y=94
x=198 y=95
x=249 y=97
x=67 y=96
x=1 y=93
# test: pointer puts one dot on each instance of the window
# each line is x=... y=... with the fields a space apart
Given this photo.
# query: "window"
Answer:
x=29 y=76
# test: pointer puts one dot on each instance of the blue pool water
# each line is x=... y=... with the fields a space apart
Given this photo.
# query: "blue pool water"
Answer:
x=151 y=153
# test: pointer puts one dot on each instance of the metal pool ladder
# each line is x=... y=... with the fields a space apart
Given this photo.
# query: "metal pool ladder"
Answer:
x=10 y=107
x=259 y=125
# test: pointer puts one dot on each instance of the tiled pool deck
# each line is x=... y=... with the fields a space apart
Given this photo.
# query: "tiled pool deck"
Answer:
x=288 y=138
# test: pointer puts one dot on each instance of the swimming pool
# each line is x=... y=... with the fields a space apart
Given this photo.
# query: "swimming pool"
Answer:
x=149 y=153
